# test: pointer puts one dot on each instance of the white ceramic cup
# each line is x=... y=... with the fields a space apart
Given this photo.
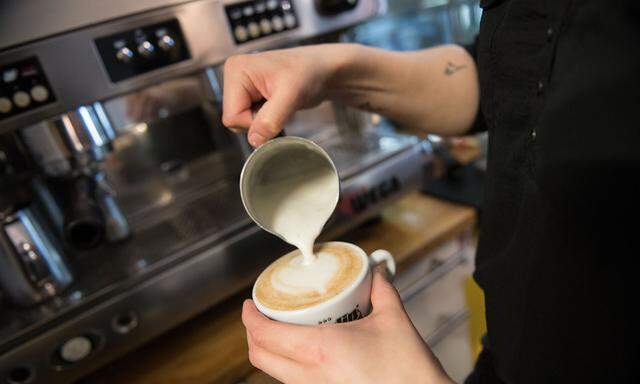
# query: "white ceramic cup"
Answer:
x=354 y=302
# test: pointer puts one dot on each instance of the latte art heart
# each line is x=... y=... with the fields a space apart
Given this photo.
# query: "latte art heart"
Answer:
x=297 y=276
x=290 y=283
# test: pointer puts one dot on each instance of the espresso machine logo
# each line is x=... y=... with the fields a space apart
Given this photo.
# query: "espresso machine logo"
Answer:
x=360 y=200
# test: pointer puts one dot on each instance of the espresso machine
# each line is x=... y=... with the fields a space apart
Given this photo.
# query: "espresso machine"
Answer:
x=120 y=214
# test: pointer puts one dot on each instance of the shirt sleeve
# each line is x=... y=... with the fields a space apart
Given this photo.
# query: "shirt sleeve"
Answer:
x=479 y=124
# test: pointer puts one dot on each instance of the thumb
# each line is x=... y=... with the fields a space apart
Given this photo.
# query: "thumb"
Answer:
x=384 y=296
x=272 y=117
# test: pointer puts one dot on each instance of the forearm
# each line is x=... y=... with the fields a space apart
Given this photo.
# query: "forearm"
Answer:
x=434 y=90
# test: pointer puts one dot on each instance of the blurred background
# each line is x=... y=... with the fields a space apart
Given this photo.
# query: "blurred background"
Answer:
x=410 y=25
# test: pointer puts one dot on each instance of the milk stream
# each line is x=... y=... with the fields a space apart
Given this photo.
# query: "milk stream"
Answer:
x=296 y=200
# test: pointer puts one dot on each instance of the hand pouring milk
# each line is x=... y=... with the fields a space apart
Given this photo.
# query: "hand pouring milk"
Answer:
x=290 y=187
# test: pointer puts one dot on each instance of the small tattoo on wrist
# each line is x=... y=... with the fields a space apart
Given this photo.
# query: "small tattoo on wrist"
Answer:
x=451 y=68
x=366 y=106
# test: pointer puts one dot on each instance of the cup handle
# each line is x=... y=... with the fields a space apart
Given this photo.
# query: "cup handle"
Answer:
x=380 y=256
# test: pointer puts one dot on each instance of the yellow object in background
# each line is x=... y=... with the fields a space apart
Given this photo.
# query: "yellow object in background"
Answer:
x=477 y=319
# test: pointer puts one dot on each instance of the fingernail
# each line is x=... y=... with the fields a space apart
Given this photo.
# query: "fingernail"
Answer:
x=256 y=139
x=384 y=272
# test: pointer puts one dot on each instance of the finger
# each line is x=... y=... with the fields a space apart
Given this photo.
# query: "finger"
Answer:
x=385 y=272
x=292 y=341
x=272 y=117
x=236 y=130
x=276 y=366
x=384 y=295
x=238 y=94
x=241 y=120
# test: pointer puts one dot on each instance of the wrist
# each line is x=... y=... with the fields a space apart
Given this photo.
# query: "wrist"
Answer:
x=343 y=64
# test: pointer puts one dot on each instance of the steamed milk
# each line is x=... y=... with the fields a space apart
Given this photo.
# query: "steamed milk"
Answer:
x=298 y=193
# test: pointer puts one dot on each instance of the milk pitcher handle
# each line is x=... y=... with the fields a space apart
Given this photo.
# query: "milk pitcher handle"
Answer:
x=380 y=256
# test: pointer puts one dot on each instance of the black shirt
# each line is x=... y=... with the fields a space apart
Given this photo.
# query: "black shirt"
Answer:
x=560 y=96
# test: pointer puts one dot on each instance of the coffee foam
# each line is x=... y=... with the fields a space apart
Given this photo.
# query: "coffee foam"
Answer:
x=290 y=283
x=296 y=276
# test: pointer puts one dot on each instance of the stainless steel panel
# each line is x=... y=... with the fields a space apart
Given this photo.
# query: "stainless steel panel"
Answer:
x=175 y=172
x=22 y=21
x=173 y=296
x=75 y=70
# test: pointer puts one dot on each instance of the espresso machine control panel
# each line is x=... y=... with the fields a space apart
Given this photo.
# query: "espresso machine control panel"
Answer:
x=23 y=87
x=134 y=52
x=252 y=20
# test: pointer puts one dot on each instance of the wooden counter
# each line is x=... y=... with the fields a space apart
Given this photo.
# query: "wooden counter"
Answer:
x=211 y=348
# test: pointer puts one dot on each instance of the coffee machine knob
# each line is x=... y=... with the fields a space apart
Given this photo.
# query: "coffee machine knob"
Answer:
x=146 y=49
x=166 y=42
x=124 y=55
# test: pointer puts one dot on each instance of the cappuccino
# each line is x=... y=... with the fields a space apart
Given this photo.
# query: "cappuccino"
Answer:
x=290 y=283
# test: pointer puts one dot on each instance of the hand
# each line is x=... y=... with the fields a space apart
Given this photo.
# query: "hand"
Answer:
x=384 y=347
x=418 y=90
x=288 y=80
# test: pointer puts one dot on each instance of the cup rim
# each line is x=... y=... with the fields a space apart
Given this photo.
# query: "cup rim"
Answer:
x=344 y=293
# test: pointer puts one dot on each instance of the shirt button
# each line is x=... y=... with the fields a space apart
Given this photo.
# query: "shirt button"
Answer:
x=540 y=87
x=533 y=134
x=549 y=33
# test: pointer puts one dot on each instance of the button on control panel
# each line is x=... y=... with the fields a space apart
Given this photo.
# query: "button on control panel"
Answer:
x=134 y=52
x=252 y=20
x=76 y=349
x=23 y=87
